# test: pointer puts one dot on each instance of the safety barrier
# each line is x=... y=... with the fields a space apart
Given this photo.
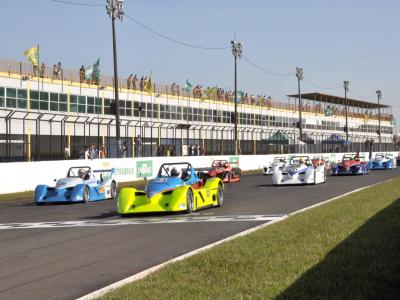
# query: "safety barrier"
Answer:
x=24 y=176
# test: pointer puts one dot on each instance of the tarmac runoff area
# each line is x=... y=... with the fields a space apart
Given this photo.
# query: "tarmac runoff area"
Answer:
x=67 y=251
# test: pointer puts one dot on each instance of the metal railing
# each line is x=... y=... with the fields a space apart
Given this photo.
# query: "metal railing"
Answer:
x=73 y=76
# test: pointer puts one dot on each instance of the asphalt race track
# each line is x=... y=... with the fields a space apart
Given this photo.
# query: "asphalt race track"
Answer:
x=67 y=251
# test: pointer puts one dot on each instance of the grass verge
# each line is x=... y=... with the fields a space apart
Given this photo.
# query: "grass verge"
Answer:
x=346 y=249
x=139 y=184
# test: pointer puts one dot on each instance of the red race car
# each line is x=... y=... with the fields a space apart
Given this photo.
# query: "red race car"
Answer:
x=221 y=169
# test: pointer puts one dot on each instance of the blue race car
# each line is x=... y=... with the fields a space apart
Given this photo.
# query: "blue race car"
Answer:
x=351 y=164
x=384 y=161
x=82 y=184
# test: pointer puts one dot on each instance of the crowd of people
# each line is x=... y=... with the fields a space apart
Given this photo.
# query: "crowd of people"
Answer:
x=166 y=150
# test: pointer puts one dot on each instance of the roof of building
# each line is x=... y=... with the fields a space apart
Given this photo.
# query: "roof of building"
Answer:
x=338 y=100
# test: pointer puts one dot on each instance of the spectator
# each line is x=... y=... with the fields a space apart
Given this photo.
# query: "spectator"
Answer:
x=173 y=150
x=82 y=74
x=168 y=150
x=67 y=152
x=134 y=82
x=92 y=152
x=35 y=70
x=173 y=87
x=129 y=82
x=42 y=69
x=196 y=150
x=124 y=150
x=102 y=152
x=190 y=150
x=86 y=154
x=141 y=83
x=139 y=146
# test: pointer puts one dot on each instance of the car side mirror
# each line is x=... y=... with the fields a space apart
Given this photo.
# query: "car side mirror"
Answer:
x=55 y=180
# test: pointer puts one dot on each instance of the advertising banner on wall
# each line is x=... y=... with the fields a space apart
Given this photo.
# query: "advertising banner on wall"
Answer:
x=144 y=168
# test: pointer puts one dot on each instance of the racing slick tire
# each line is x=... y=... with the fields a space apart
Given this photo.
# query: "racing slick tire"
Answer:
x=189 y=201
x=86 y=194
x=220 y=195
x=113 y=190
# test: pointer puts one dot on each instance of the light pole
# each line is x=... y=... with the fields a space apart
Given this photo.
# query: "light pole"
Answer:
x=299 y=75
x=139 y=142
x=346 y=89
x=379 y=94
x=115 y=10
x=237 y=53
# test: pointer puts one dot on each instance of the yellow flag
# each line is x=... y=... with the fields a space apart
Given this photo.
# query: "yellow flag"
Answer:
x=149 y=85
x=33 y=55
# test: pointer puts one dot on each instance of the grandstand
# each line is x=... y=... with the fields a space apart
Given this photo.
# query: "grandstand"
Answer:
x=43 y=116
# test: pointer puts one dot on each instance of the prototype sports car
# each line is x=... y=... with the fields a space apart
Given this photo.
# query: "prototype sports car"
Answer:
x=279 y=162
x=351 y=164
x=384 y=161
x=300 y=170
x=175 y=188
x=221 y=169
x=82 y=184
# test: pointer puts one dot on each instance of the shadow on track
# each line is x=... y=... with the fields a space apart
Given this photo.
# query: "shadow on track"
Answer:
x=364 y=266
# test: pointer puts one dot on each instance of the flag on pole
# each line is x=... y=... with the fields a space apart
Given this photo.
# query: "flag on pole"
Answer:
x=187 y=86
x=211 y=92
x=239 y=96
x=149 y=85
x=32 y=54
x=92 y=72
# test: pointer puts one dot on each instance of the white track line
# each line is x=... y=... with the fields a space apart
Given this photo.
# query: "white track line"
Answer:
x=151 y=270
x=142 y=221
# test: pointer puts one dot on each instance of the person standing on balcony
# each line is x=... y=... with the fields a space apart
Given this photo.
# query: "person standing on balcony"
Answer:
x=129 y=82
x=82 y=74
x=134 y=82
x=42 y=69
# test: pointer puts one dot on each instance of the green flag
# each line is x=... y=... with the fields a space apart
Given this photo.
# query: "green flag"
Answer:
x=187 y=86
x=92 y=72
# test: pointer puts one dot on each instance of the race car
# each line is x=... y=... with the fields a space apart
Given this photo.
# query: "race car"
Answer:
x=175 y=188
x=221 y=169
x=279 y=162
x=82 y=184
x=300 y=170
x=384 y=161
x=351 y=164
x=320 y=159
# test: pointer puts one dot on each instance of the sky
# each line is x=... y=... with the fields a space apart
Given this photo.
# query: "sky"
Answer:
x=332 y=41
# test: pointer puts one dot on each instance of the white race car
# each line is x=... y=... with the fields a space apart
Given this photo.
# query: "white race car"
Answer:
x=279 y=162
x=300 y=170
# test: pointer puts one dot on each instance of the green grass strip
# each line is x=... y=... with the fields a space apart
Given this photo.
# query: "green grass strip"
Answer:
x=346 y=249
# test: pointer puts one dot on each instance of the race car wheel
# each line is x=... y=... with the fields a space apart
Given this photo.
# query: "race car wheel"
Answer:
x=220 y=195
x=86 y=194
x=189 y=201
x=113 y=190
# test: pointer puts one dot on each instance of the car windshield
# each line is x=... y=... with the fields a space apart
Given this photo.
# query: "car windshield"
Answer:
x=299 y=160
x=78 y=171
x=379 y=155
x=280 y=159
x=179 y=170
x=219 y=163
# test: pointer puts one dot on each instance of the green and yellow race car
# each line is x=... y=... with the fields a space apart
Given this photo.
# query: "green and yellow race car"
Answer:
x=176 y=188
